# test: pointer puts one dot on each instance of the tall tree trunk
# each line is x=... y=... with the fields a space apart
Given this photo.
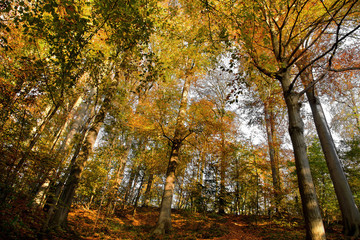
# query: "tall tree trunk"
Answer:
x=113 y=190
x=355 y=111
x=138 y=194
x=147 y=191
x=274 y=156
x=237 y=187
x=46 y=178
x=313 y=220
x=164 y=222
x=67 y=195
x=77 y=124
x=56 y=189
x=349 y=210
x=129 y=185
x=40 y=193
x=222 y=194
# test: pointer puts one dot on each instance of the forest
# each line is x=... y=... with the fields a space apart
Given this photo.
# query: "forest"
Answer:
x=175 y=119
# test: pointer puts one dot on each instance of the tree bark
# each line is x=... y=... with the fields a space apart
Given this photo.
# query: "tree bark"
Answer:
x=222 y=195
x=53 y=171
x=138 y=194
x=147 y=191
x=60 y=215
x=313 y=220
x=164 y=222
x=133 y=173
x=76 y=125
x=274 y=157
x=113 y=190
x=349 y=210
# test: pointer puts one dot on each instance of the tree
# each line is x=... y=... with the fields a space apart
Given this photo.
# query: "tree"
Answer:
x=349 y=210
x=85 y=149
x=164 y=222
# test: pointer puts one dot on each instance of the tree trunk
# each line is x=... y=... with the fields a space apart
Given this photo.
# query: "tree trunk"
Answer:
x=180 y=201
x=54 y=172
x=40 y=194
x=138 y=194
x=77 y=124
x=274 y=157
x=355 y=111
x=130 y=183
x=164 y=222
x=67 y=195
x=237 y=187
x=222 y=200
x=147 y=191
x=56 y=189
x=313 y=220
x=113 y=190
x=349 y=210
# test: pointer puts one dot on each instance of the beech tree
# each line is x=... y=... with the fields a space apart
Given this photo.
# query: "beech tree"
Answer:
x=349 y=210
x=180 y=133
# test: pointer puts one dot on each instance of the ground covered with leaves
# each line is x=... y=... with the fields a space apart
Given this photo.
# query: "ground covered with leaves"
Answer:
x=86 y=224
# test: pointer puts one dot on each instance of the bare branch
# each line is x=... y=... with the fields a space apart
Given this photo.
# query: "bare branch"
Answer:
x=322 y=55
x=344 y=69
x=312 y=84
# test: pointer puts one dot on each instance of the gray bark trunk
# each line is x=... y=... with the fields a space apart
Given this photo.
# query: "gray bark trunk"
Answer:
x=60 y=215
x=313 y=220
x=164 y=222
x=138 y=194
x=349 y=210
x=147 y=191
x=222 y=200
x=274 y=159
x=133 y=173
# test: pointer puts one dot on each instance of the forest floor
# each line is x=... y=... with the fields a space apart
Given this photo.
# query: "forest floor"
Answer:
x=86 y=224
